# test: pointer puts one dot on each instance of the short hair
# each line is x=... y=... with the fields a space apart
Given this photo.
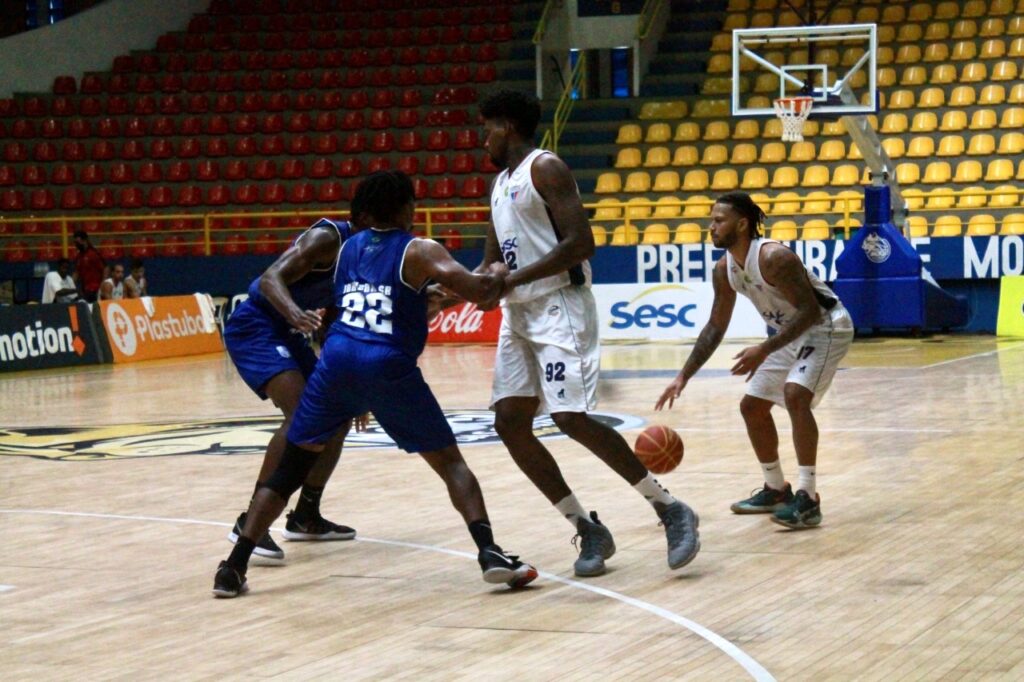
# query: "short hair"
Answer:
x=137 y=263
x=81 y=234
x=521 y=109
x=383 y=195
x=745 y=206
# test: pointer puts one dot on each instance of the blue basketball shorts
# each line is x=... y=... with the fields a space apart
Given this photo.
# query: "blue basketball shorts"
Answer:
x=262 y=348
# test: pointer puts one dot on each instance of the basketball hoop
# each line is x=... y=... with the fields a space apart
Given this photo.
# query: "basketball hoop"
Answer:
x=793 y=111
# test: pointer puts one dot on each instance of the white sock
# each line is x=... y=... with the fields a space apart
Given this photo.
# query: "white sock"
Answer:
x=571 y=509
x=773 y=475
x=653 y=492
x=808 y=478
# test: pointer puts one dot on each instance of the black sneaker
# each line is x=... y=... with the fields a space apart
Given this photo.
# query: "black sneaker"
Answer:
x=681 y=532
x=595 y=545
x=317 y=528
x=499 y=567
x=764 y=501
x=802 y=512
x=228 y=582
x=265 y=548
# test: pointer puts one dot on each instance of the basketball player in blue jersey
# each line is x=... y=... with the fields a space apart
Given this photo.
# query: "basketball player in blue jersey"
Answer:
x=794 y=368
x=267 y=338
x=549 y=346
x=368 y=363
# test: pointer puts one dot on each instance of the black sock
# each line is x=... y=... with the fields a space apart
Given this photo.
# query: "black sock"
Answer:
x=308 y=506
x=239 y=557
x=482 y=535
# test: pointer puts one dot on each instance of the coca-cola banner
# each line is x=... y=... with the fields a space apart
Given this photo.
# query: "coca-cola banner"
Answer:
x=465 y=323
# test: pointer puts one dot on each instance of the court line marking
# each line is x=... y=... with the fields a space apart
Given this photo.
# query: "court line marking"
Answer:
x=753 y=668
x=971 y=357
x=6 y=588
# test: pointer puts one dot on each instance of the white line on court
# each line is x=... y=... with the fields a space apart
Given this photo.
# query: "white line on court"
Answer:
x=6 y=588
x=753 y=668
x=700 y=429
x=971 y=357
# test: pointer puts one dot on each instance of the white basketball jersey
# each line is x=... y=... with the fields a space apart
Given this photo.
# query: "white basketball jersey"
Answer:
x=117 y=290
x=769 y=301
x=525 y=232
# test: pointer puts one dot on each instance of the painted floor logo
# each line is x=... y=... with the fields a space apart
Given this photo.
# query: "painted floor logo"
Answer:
x=239 y=436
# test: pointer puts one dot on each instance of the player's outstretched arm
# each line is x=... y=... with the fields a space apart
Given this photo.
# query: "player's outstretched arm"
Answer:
x=710 y=336
x=426 y=260
x=314 y=248
x=492 y=250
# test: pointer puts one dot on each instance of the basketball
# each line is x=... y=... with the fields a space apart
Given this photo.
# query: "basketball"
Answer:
x=659 y=448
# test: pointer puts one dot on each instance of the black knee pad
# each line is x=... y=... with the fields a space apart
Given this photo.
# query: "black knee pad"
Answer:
x=291 y=473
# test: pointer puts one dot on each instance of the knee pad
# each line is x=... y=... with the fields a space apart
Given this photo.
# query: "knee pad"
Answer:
x=291 y=473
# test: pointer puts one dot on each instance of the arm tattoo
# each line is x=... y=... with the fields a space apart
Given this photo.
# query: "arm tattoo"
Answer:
x=705 y=347
x=790 y=277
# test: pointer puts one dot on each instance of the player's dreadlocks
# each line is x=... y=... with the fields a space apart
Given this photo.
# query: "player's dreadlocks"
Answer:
x=383 y=195
x=746 y=207
x=521 y=109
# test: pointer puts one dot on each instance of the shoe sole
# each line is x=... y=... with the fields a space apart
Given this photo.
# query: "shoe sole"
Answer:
x=258 y=551
x=510 y=576
x=802 y=525
x=736 y=509
x=299 y=537
x=590 y=574
x=230 y=594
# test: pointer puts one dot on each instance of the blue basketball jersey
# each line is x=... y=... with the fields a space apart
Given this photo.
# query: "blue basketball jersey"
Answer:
x=374 y=304
x=314 y=290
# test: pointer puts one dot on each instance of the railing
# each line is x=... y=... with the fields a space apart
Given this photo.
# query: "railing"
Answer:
x=565 y=104
x=542 y=23
x=649 y=11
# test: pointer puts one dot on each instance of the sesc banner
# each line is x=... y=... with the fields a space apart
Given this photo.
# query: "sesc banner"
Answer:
x=159 y=327
x=44 y=336
x=465 y=323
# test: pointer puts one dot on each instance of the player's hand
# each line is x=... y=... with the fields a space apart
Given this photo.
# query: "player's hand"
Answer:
x=749 y=359
x=671 y=392
x=439 y=298
x=361 y=423
x=499 y=273
x=307 y=321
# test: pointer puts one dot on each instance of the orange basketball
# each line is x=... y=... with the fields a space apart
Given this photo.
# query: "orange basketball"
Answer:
x=659 y=448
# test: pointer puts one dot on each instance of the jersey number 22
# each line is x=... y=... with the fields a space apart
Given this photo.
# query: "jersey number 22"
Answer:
x=372 y=310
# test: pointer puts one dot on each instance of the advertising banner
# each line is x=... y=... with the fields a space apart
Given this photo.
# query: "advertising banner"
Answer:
x=1011 y=307
x=51 y=335
x=465 y=323
x=159 y=327
x=667 y=312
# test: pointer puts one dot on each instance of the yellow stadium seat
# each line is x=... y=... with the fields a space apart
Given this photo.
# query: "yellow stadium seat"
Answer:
x=920 y=12
x=942 y=74
x=600 y=235
x=787 y=203
x=766 y=82
x=953 y=121
x=981 y=225
x=789 y=18
x=722 y=86
x=849 y=200
x=901 y=99
x=918 y=226
x=695 y=180
x=687 y=233
x=1000 y=7
x=854 y=152
x=999 y=170
x=908 y=173
x=638 y=181
x=625 y=235
x=992 y=27
x=747 y=129
x=936 y=31
x=772 y=129
x=845 y=176
x=973 y=72
x=762 y=20
x=1011 y=144
x=734 y=21
x=1016 y=48
x=974 y=8
x=817 y=202
x=931 y=98
x=833 y=128
x=921 y=147
x=981 y=144
x=628 y=158
x=1004 y=196
x=962 y=96
x=608 y=209
x=886 y=77
x=720 y=63
x=657 y=233
x=685 y=156
x=1004 y=71
x=638 y=208
x=1016 y=94
x=716 y=130
x=974 y=198
x=721 y=42
x=894 y=14
x=815 y=176
x=697 y=206
x=983 y=119
x=1020 y=170
x=759 y=101
x=778 y=58
x=993 y=48
x=667 y=207
x=914 y=198
x=1012 y=117
x=937 y=173
x=936 y=52
x=909 y=33
x=657 y=157
x=947 y=10
x=816 y=229
x=785 y=176
x=666 y=181
x=992 y=94
x=828 y=56
x=1016 y=26
x=846 y=228
x=947 y=226
x=894 y=123
x=908 y=54
x=1012 y=224
x=773 y=152
x=725 y=179
x=965 y=29
x=851 y=55
x=687 y=131
x=629 y=134
x=951 y=145
x=714 y=155
x=912 y=75
x=866 y=15
x=658 y=133
x=841 y=15
x=800 y=152
x=711 y=108
x=832 y=150
x=968 y=171
x=924 y=122
x=656 y=110
x=894 y=147
x=755 y=178
x=743 y=154
x=761 y=199
x=608 y=183
x=940 y=199
x=783 y=231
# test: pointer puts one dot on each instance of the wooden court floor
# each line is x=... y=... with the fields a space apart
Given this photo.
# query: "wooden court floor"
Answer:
x=117 y=487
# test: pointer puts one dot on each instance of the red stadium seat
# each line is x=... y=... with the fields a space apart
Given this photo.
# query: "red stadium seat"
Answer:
x=473 y=188
x=451 y=238
x=353 y=120
x=102 y=150
x=272 y=123
x=380 y=120
x=161 y=148
x=501 y=33
x=378 y=163
x=299 y=122
x=278 y=101
x=252 y=102
x=218 y=125
x=265 y=244
x=23 y=129
x=277 y=81
x=191 y=125
x=435 y=165
x=162 y=126
x=150 y=172
x=170 y=105
x=9 y=177
x=63 y=174
x=299 y=144
x=207 y=170
x=132 y=150
x=272 y=193
x=409 y=141
x=117 y=84
x=176 y=63
x=92 y=174
x=292 y=169
x=244 y=146
x=458 y=73
x=121 y=174
x=71 y=199
x=350 y=168
x=179 y=171
x=143 y=247
x=236 y=169
x=329 y=192
x=198 y=104
x=111 y=249
x=15 y=151
x=216 y=147
x=245 y=124
x=101 y=198
x=443 y=188
x=34 y=106
x=382 y=142
x=486 y=165
x=321 y=168
x=90 y=106
x=354 y=143
x=461 y=54
x=435 y=55
x=174 y=245
x=62 y=106
x=432 y=75
x=407 y=76
x=467 y=139
x=407 y=118
x=462 y=163
x=33 y=175
x=41 y=199
x=235 y=245
x=485 y=73
x=357 y=100
x=486 y=52
x=301 y=193
x=409 y=165
x=108 y=127
x=438 y=140
x=129 y=197
x=218 y=195
x=92 y=84
x=160 y=196
x=247 y=194
x=272 y=145
x=325 y=144
x=420 y=188
x=331 y=101
x=264 y=169
x=135 y=127
x=144 y=106
x=190 y=195
x=79 y=128
x=48 y=250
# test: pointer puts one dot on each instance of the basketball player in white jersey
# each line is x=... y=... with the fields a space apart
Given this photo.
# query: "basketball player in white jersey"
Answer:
x=112 y=288
x=792 y=368
x=548 y=348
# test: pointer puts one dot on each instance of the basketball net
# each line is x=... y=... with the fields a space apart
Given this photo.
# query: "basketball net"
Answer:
x=793 y=111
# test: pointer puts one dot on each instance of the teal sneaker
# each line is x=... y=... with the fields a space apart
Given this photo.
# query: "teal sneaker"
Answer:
x=802 y=512
x=764 y=501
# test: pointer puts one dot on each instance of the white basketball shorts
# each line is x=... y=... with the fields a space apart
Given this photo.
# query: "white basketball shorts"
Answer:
x=549 y=348
x=810 y=361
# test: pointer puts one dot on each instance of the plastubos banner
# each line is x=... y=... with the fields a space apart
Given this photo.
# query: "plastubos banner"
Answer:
x=159 y=327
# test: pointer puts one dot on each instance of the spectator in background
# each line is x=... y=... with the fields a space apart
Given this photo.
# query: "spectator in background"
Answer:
x=135 y=283
x=89 y=265
x=112 y=288
x=59 y=286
